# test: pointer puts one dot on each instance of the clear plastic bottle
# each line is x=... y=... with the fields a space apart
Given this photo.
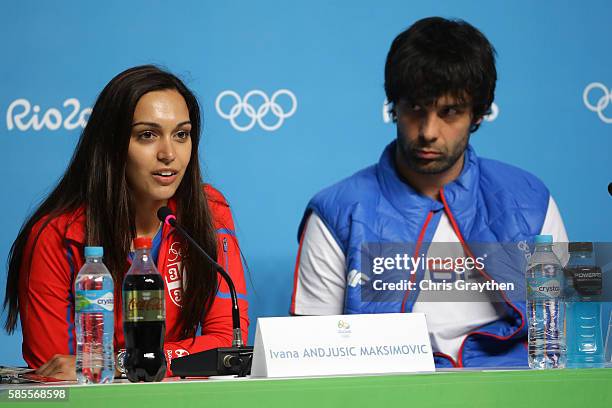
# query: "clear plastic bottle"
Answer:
x=545 y=307
x=582 y=290
x=94 y=320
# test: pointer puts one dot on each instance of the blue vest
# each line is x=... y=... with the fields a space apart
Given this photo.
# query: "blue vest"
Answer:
x=490 y=202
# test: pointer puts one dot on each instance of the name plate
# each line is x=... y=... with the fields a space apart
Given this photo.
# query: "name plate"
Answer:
x=342 y=344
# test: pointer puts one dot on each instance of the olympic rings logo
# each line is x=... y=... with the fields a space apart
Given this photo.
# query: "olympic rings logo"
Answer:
x=256 y=115
x=494 y=113
x=174 y=253
x=602 y=102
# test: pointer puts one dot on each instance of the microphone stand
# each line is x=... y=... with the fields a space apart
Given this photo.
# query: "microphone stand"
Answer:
x=235 y=360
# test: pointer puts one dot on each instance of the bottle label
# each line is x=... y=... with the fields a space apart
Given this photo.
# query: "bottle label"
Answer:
x=543 y=288
x=587 y=280
x=94 y=301
x=144 y=306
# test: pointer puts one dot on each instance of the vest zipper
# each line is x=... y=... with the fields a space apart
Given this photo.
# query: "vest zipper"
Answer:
x=417 y=249
x=467 y=249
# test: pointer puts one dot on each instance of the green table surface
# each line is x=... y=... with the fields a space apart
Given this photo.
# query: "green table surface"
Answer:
x=520 y=388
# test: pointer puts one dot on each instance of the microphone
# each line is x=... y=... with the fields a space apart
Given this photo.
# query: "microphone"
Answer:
x=235 y=360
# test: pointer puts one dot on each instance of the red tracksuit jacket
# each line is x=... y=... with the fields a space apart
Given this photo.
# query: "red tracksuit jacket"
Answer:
x=46 y=287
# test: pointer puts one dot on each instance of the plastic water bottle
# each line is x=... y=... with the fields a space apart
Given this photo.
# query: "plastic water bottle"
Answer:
x=545 y=307
x=583 y=289
x=94 y=320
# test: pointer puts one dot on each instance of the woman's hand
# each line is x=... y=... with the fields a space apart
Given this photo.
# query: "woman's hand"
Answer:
x=62 y=367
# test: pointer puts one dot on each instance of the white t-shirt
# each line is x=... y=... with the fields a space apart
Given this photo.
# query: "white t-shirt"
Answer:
x=321 y=282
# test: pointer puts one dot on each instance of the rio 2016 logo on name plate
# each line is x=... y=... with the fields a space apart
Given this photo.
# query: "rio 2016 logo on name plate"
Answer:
x=342 y=324
x=344 y=328
x=269 y=113
x=23 y=116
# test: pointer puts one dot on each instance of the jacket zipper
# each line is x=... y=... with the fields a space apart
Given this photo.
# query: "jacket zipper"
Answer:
x=417 y=249
x=225 y=256
x=467 y=249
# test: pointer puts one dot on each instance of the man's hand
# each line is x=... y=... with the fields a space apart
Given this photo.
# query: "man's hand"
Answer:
x=62 y=367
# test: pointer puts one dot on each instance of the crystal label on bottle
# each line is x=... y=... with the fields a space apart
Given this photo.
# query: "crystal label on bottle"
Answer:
x=94 y=301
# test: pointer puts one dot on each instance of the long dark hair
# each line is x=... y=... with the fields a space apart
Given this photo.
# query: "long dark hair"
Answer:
x=96 y=179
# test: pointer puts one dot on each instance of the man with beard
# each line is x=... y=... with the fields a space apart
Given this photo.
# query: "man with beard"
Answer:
x=429 y=186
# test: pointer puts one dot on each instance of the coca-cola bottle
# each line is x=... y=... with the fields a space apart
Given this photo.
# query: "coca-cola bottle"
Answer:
x=144 y=317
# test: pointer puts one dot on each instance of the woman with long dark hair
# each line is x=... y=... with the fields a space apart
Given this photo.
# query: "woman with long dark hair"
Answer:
x=138 y=152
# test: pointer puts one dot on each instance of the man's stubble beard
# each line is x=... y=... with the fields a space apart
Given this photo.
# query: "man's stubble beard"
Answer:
x=437 y=166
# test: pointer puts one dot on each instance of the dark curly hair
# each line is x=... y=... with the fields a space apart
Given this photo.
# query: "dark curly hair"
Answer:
x=436 y=57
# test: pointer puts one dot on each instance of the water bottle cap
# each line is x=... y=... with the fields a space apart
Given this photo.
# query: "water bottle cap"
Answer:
x=543 y=239
x=94 y=251
x=142 y=243
x=581 y=247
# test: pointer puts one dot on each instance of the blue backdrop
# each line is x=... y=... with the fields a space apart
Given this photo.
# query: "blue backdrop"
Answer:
x=553 y=116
